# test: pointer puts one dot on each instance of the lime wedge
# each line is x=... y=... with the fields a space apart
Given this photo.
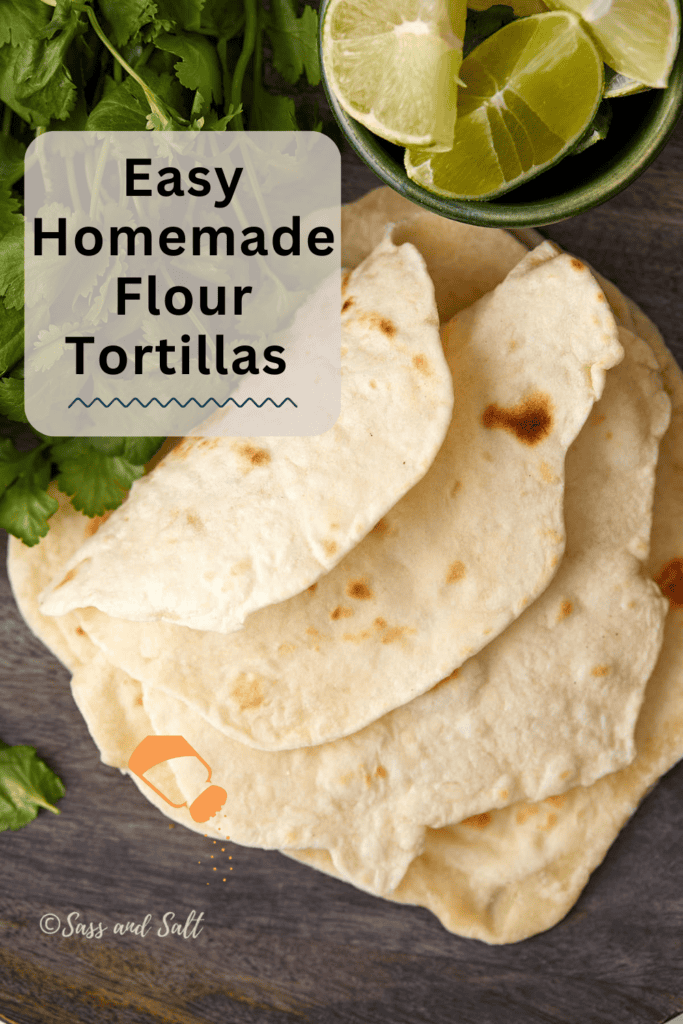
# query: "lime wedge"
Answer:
x=638 y=38
x=393 y=65
x=532 y=89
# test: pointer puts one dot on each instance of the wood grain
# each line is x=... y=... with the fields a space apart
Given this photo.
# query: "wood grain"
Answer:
x=279 y=942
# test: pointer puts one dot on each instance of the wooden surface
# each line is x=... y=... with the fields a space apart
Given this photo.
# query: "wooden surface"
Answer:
x=280 y=942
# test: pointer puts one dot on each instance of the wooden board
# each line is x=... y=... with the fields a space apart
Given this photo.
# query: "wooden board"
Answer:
x=279 y=942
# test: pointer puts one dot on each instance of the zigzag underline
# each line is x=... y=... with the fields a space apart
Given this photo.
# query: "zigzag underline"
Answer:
x=183 y=405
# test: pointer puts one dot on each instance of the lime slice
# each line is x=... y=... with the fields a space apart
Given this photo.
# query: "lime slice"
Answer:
x=393 y=65
x=620 y=85
x=638 y=38
x=532 y=90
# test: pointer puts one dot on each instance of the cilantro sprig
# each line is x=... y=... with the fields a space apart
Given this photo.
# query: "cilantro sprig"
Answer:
x=26 y=785
x=122 y=65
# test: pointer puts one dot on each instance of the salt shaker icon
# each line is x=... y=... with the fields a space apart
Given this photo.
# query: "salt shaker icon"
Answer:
x=153 y=750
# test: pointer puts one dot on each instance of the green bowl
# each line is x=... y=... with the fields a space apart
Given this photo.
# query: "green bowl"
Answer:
x=640 y=126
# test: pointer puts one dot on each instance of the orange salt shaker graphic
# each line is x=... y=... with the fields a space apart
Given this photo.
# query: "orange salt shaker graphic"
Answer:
x=153 y=750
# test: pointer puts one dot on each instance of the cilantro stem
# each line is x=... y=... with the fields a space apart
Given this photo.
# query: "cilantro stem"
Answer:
x=251 y=17
x=258 y=65
x=153 y=100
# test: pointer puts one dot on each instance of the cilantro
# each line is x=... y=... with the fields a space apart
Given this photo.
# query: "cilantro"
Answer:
x=121 y=65
x=26 y=785
x=11 y=337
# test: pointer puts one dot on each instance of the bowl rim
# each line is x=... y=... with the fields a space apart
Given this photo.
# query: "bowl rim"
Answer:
x=646 y=145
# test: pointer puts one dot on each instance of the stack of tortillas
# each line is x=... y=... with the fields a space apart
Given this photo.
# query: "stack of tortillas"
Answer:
x=424 y=652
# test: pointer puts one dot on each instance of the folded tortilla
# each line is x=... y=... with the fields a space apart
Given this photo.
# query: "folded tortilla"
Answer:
x=225 y=526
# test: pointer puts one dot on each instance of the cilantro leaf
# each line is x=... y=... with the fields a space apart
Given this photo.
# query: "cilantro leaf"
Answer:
x=26 y=785
x=272 y=113
x=127 y=17
x=124 y=109
x=12 y=462
x=25 y=506
x=140 y=450
x=184 y=14
x=9 y=215
x=93 y=480
x=294 y=41
x=199 y=69
x=22 y=20
x=43 y=81
x=11 y=160
x=12 y=399
x=11 y=337
x=221 y=19
x=12 y=267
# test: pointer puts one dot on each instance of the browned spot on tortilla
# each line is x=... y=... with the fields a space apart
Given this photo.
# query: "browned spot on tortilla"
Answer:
x=478 y=820
x=341 y=613
x=526 y=812
x=556 y=800
x=359 y=590
x=597 y=419
x=93 y=526
x=256 y=456
x=395 y=633
x=312 y=589
x=311 y=631
x=367 y=779
x=608 y=435
x=456 y=487
x=330 y=547
x=80 y=631
x=381 y=771
x=138 y=701
x=503 y=794
x=600 y=670
x=193 y=520
x=566 y=608
x=381 y=623
x=549 y=822
x=420 y=363
x=379 y=323
x=530 y=420
x=601 y=297
x=380 y=527
x=248 y=692
x=345 y=280
x=577 y=264
x=373 y=385
x=68 y=578
x=455 y=572
x=347 y=304
x=565 y=775
x=286 y=649
x=547 y=474
x=670 y=582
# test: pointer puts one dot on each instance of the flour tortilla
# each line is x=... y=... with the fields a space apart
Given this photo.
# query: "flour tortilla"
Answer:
x=225 y=526
x=508 y=874
x=563 y=674
x=445 y=571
